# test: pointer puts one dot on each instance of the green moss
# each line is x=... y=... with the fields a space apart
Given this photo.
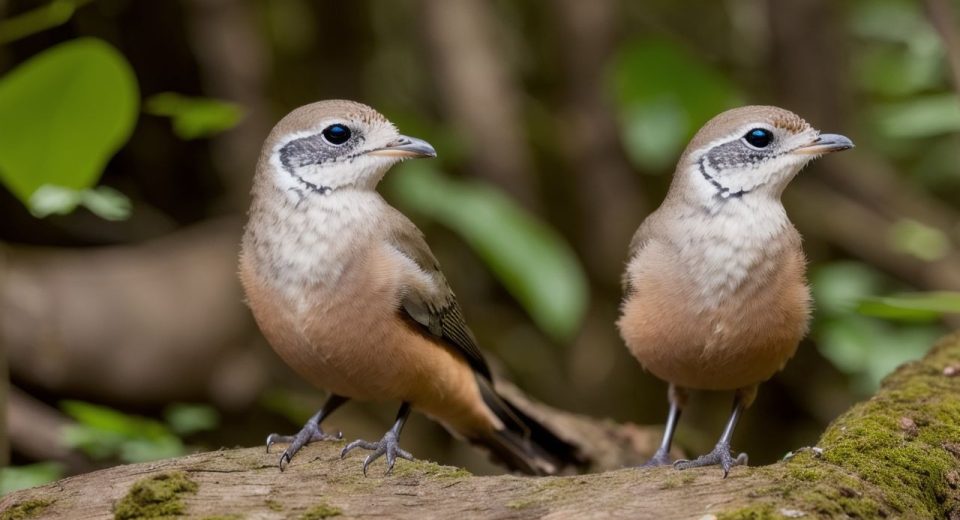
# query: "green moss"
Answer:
x=871 y=466
x=26 y=509
x=908 y=468
x=548 y=489
x=273 y=505
x=158 y=496
x=671 y=482
x=752 y=512
x=320 y=511
x=429 y=469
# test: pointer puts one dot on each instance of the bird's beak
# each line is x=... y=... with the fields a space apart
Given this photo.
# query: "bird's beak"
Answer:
x=825 y=143
x=405 y=147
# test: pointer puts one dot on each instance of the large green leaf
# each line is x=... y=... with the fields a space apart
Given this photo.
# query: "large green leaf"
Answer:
x=531 y=260
x=64 y=113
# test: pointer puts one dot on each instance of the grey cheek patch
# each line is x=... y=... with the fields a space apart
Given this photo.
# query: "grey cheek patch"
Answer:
x=313 y=149
x=733 y=154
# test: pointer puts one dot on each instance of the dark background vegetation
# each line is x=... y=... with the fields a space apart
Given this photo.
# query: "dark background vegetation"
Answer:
x=557 y=125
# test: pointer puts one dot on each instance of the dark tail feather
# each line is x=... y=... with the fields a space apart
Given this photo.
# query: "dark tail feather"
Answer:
x=525 y=444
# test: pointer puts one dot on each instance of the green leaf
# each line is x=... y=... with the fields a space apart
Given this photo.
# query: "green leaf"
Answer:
x=919 y=117
x=186 y=419
x=918 y=239
x=15 y=478
x=106 y=202
x=531 y=260
x=53 y=200
x=103 y=201
x=195 y=117
x=65 y=112
x=661 y=111
x=912 y=306
x=839 y=286
x=145 y=450
x=103 y=432
x=868 y=349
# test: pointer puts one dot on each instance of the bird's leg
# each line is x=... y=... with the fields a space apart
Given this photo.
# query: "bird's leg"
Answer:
x=678 y=398
x=721 y=452
x=310 y=432
x=388 y=445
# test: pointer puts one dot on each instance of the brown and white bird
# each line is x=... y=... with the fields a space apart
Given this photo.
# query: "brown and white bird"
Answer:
x=715 y=287
x=347 y=292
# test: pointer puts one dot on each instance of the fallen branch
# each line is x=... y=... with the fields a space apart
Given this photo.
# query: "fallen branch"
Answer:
x=896 y=455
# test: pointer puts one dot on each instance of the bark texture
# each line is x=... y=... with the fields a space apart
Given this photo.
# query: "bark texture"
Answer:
x=896 y=455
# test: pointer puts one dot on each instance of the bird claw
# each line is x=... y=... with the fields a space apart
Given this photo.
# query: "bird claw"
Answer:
x=311 y=432
x=660 y=458
x=388 y=445
x=720 y=456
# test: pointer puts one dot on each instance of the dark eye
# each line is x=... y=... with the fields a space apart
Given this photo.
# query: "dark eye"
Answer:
x=759 y=137
x=336 y=134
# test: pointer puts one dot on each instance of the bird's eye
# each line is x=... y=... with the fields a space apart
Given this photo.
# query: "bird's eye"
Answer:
x=336 y=134
x=759 y=137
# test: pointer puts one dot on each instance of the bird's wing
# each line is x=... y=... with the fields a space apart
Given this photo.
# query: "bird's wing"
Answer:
x=640 y=239
x=430 y=303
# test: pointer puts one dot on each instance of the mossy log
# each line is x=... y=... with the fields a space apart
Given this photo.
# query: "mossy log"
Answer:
x=896 y=455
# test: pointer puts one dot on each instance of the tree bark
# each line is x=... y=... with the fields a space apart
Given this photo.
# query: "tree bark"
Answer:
x=896 y=455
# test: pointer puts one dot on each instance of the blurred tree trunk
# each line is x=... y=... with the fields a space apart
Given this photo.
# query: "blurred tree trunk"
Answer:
x=895 y=455
x=606 y=186
x=480 y=93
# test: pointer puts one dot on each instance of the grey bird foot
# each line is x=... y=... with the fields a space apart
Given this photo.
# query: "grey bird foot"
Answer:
x=660 y=458
x=720 y=456
x=388 y=446
x=311 y=432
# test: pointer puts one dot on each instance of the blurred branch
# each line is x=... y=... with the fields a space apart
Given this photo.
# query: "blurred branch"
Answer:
x=233 y=57
x=150 y=323
x=863 y=232
x=40 y=19
x=36 y=432
x=941 y=16
x=480 y=94
x=892 y=456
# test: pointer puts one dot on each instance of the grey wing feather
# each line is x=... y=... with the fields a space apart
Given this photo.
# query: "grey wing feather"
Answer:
x=438 y=312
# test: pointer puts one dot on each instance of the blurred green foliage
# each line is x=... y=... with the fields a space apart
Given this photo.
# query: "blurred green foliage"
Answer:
x=103 y=432
x=927 y=306
x=863 y=346
x=13 y=478
x=194 y=117
x=661 y=110
x=530 y=258
x=65 y=112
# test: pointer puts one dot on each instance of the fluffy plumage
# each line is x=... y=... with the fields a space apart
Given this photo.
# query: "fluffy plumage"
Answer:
x=346 y=290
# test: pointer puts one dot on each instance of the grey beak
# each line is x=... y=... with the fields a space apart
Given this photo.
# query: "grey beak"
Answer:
x=826 y=143
x=404 y=146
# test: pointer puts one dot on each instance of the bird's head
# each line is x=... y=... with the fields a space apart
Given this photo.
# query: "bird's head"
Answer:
x=751 y=151
x=329 y=145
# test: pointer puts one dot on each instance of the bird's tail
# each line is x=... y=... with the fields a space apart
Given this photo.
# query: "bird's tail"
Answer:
x=524 y=444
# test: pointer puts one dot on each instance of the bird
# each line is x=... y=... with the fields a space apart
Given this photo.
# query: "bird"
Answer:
x=347 y=292
x=715 y=295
